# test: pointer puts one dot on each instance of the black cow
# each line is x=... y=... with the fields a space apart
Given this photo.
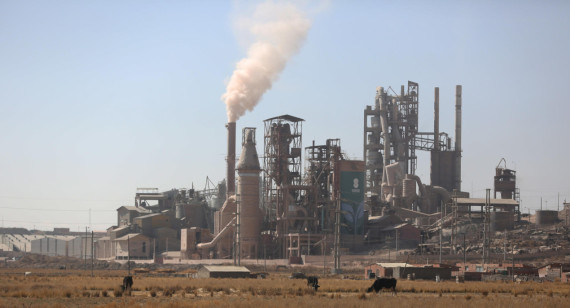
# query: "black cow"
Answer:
x=313 y=281
x=383 y=283
x=127 y=283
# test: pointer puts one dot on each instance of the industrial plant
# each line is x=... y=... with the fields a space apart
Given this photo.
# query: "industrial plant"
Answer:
x=283 y=205
x=290 y=200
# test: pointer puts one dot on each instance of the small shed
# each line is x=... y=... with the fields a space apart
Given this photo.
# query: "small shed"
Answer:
x=382 y=269
x=223 y=271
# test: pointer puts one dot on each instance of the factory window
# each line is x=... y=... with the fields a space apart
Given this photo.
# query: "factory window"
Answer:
x=143 y=247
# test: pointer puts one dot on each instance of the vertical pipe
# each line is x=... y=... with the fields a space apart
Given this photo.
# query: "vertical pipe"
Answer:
x=436 y=119
x=231 y=160
x=458 y=137
x=434 y=176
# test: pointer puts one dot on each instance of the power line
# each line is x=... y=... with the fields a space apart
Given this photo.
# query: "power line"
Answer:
x=60 y=199
x=58 y=223
x=51 y=209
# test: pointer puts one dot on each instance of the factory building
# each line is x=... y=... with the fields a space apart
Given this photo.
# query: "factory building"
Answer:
x=286 y=205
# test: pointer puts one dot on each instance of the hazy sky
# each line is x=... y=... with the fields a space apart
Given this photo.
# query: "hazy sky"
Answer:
x=98 y=98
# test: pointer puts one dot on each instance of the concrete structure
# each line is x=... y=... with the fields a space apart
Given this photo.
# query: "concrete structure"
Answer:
x=383 y=269
x=391 y=138
x=62 y=245
x=426 y=272
x=126 y=214
x=133 y=246
x=223 y=271
x=546 y=217
x=249 y=215
x=553 y=271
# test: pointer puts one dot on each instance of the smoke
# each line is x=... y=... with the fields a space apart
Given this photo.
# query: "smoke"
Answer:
x=278 y=30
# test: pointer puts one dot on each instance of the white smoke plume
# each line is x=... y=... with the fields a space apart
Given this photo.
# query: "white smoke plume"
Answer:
x=279 y=30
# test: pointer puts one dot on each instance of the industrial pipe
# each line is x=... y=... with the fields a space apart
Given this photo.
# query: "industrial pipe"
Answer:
x=385 y=134
x=442 y=192
x=219 y=236
x=399 y=144
x=231 y=160
x=421 y=186
x=458 y=138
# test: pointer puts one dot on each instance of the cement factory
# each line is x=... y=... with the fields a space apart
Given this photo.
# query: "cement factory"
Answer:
x=286 y=206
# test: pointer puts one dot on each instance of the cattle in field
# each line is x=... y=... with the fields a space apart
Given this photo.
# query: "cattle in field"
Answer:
x=383 y=283
x=127 y=283
x=313 y=282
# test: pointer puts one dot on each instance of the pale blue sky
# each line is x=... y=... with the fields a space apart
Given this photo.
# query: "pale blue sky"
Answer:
x=98 y=98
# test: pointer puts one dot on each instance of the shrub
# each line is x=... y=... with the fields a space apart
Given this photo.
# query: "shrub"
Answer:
x=485 y=293
x=118 y=292
x=152 y=293
x=168 y=292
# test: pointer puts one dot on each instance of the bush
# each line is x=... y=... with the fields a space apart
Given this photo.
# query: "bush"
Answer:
x=118 y=292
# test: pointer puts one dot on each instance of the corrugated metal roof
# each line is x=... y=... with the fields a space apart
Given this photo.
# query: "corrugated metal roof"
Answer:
x=226 y=268
x=133 y=208
x=129 y=236
x=481 y=201
x=287 y=118
x=395 y=265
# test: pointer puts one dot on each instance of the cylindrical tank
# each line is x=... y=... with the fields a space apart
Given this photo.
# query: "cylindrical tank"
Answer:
x=195 y=215
x=546 y=217
x=501 y=221
x=180 y=212
x=215 y=203
x=250 y=216
x=409 y=188
x=398 y=190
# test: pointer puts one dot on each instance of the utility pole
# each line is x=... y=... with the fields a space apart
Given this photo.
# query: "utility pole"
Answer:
x=238 y=228
x=464 y=251
x=85 y=251
x=397 y=245
x=324 y=243
x=486 y=227
x=440 y=229
x=234 y=241
x=505 y=246
x=513 y=254
x=337 y=238
x=129 y=255
x=92 y=245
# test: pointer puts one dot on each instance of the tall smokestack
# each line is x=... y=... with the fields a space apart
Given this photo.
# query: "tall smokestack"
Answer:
x=231 y=159
x=436 y=120
x=458 y=137
x=435 y=155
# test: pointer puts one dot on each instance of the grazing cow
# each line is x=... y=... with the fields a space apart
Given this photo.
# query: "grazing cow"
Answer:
x=383 y=283
x=127 y=283
x=313 y=281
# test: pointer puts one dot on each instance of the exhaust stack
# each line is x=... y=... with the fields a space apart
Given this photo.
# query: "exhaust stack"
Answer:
x=458 y=137
x=231 y=160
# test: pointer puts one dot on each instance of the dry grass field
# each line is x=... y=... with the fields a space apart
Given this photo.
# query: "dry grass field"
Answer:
x=51 y=288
